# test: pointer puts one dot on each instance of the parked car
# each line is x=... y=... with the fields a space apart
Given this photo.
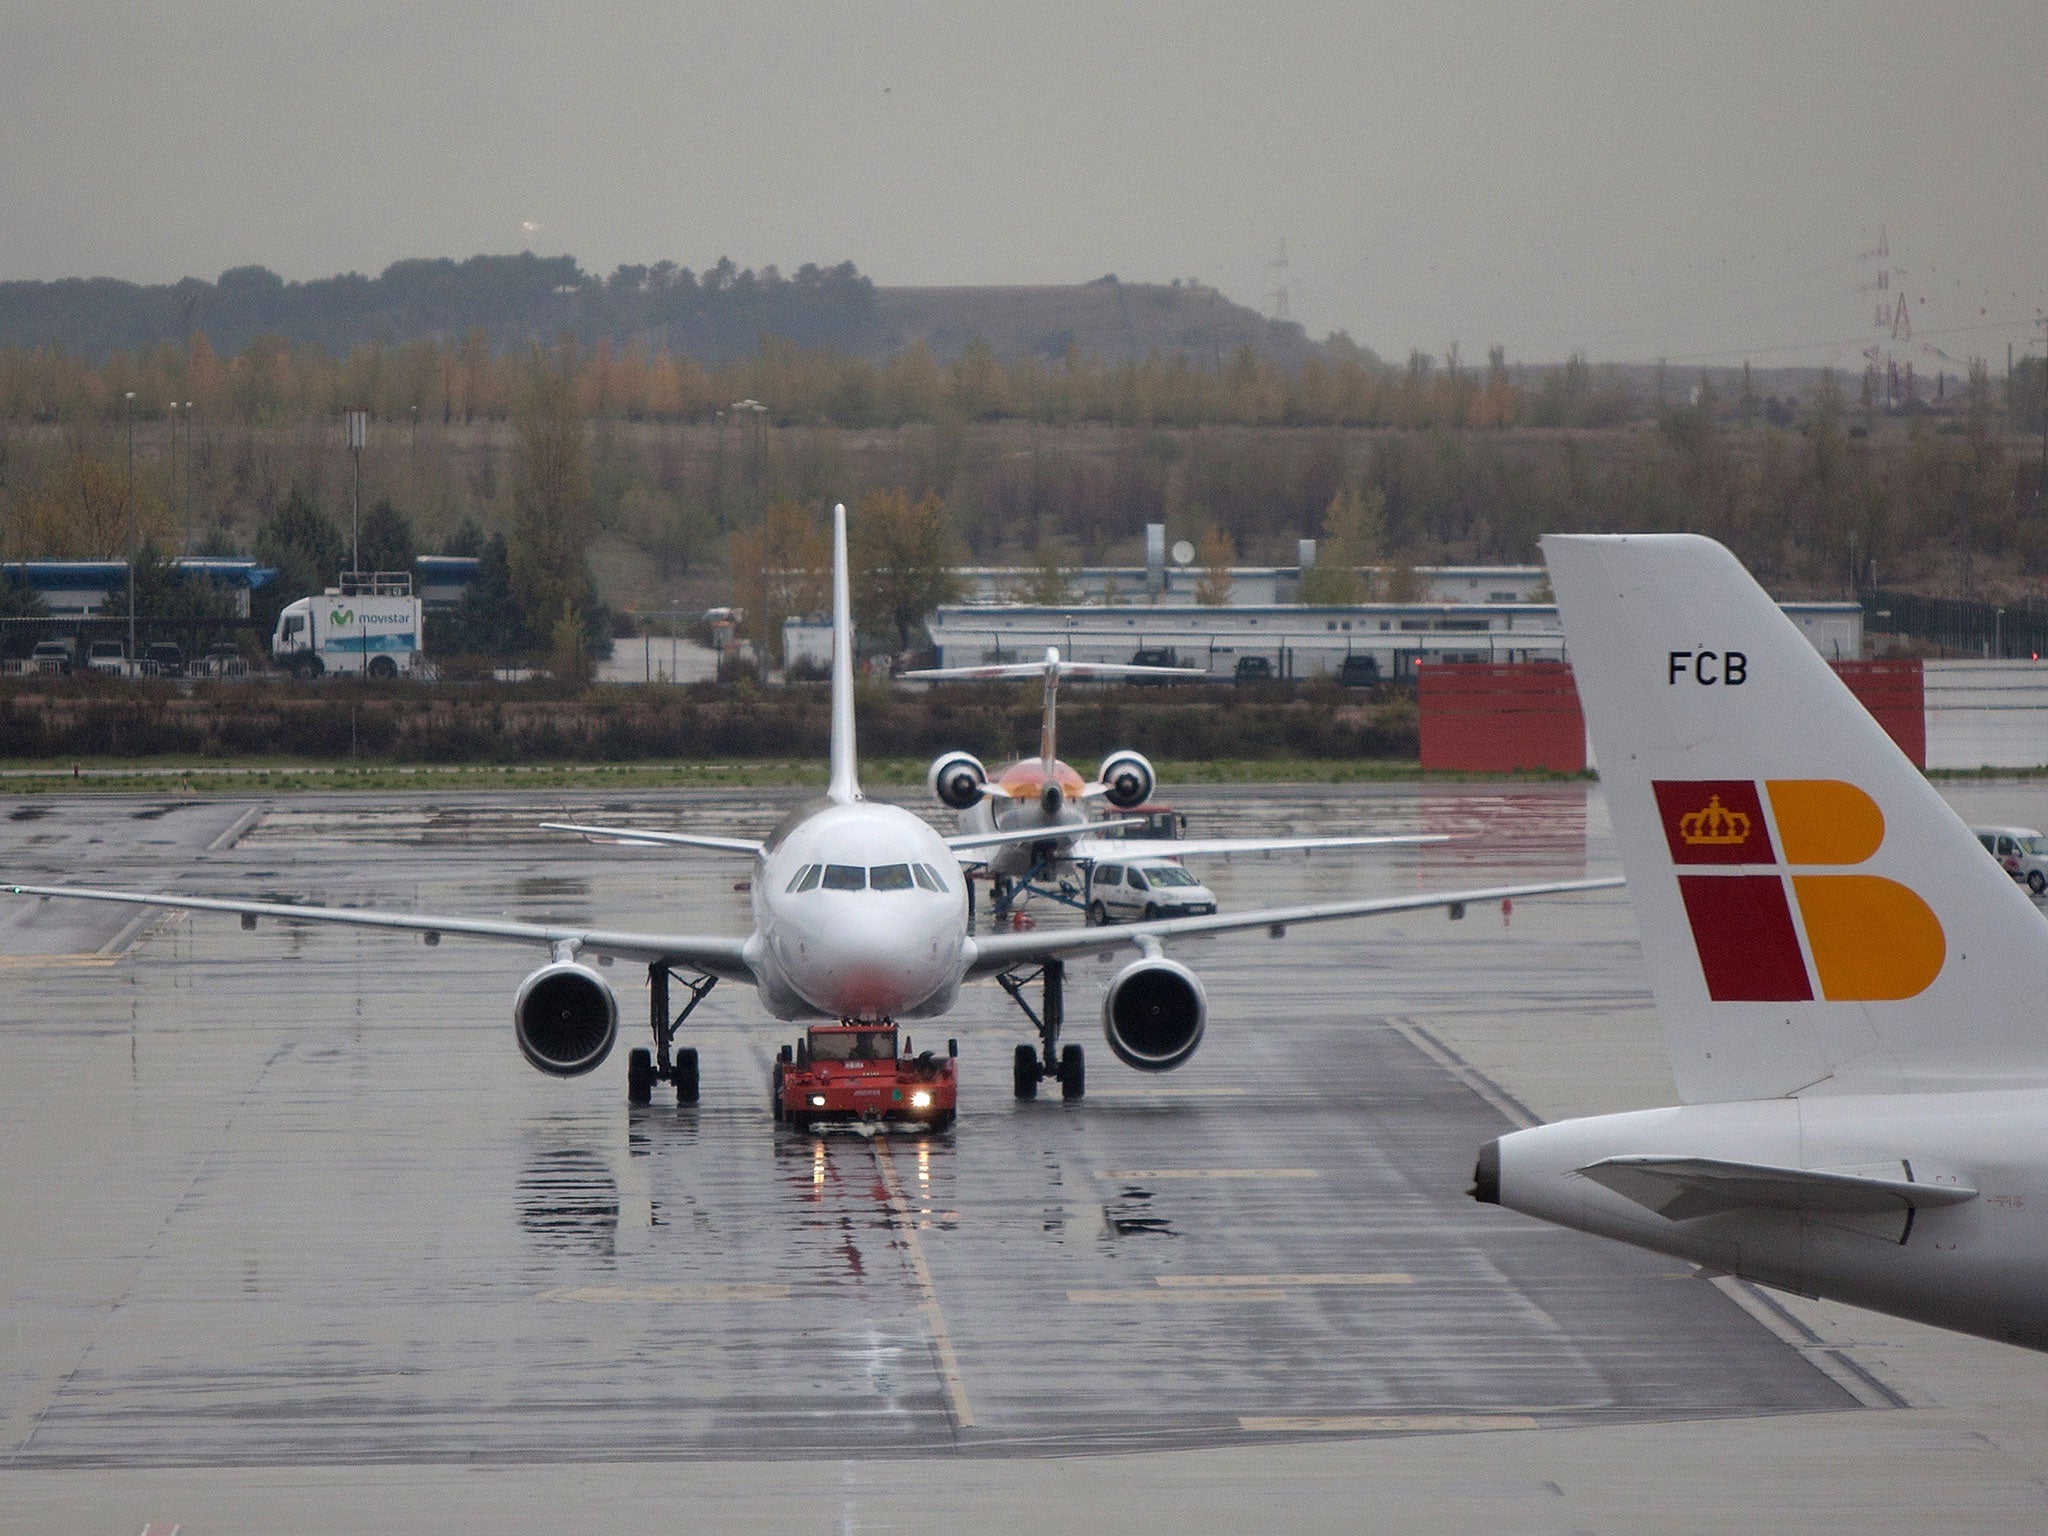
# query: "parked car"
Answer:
x=163 y=658
x=1359 y=672
x=223 y=658
x=107 y=656
x=1145 y=890
x=53 y=655
x=1254 y=669
x=2021 y=852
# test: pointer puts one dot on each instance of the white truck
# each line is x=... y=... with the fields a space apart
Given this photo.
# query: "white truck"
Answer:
x=369 y=623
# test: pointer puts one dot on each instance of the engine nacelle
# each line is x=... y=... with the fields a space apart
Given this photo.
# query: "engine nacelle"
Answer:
x=566 y=1018
x=1153 y=1014
x=956 y=779
x=1130 y=779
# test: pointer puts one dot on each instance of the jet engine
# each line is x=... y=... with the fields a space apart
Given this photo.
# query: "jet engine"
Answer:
x=566 y=1018
x=1130 y=779
x=956 y=779
x=1153 y=1014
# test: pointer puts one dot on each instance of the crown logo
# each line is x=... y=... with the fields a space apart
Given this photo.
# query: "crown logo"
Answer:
x=1716 y=826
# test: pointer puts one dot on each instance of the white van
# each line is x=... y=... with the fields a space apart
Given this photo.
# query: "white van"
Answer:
x=1144 y=890
x=2022 y=852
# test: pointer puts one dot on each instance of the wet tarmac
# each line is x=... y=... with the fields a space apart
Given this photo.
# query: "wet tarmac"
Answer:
x=291 y=1198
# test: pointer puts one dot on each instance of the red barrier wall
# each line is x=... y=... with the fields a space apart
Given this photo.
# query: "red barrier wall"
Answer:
x=1497 y=717
x=1895 y=693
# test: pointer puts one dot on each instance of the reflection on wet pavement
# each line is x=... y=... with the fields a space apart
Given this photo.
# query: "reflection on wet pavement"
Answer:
x=297 y=1200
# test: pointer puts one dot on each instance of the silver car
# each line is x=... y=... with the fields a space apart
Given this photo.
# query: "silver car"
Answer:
x=1146 y=889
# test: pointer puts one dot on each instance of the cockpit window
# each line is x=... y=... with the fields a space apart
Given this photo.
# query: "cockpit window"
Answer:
x=889 y=877
x=845 y=877
x=798 y=881
x=927 y=877
x=811 y=877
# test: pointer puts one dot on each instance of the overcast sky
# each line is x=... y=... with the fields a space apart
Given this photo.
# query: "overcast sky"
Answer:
x=1699 y=182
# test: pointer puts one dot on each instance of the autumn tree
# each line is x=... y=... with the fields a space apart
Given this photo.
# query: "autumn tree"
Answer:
x=551 y=504
x=80 y=511
x=904 y=557
x=1215 y=552
x=781 y=567
x=1354 y=529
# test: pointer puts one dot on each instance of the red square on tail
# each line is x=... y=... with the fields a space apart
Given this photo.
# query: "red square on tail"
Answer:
x=1713 y=821
x=1742 y=927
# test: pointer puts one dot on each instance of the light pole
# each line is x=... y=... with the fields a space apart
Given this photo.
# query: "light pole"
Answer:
x=188 y=465
x=171 y=411
x=358 y=434
x=128 y=405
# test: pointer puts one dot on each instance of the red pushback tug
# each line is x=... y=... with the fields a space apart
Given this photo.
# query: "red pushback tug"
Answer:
x=855 y=1072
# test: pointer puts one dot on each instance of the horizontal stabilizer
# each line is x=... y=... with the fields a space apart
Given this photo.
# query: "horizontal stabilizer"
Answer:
x=640 y=837
x=1684 y=1188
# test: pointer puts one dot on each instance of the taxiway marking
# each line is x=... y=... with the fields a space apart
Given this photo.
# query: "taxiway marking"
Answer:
x=906 y=1226
x=1158 y=1298
x=1228 y=1282
x=1355 y=1423
x=627 y=1294
x=1155 y=1175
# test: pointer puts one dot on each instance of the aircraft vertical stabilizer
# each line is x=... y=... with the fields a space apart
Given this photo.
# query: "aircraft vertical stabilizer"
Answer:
x=1813 y=914
x=844 y=787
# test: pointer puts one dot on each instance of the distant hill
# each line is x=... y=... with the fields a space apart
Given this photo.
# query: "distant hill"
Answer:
x=722 y=313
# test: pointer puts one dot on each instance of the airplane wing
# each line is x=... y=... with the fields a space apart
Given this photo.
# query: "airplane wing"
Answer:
x=1039 y=834
x=723 y=957
x=1000 y=951
x=1681 y=1188
x=635 y=837
x=1104 y=850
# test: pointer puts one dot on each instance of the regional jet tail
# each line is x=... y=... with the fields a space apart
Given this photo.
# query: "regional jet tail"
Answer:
x=1851 y=992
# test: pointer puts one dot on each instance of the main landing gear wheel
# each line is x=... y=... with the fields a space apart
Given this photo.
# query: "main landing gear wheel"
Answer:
x=1073 y=1073
x=685 y=1075
x=640 y=1075
x=1024 y=1072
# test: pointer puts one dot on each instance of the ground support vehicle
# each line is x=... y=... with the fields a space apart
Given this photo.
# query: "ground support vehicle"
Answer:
x=370 y=624
x=109 y=658
x=1144 y=890
x=53 y=656
x=2021 y=852
x=849 y=1073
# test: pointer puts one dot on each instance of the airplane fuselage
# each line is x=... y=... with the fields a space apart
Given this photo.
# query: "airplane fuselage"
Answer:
x=1022 y=806
x=860 y=912
x=1974 y=1266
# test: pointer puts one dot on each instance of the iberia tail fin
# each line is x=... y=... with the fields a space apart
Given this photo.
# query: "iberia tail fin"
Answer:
x=1813 y=914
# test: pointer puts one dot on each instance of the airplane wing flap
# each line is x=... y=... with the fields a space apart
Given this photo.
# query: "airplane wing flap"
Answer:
x=1685 y=1188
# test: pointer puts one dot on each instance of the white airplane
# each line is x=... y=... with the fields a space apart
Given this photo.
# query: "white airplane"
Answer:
x=1851 y=992
x=1047 y=794
x=859 y=914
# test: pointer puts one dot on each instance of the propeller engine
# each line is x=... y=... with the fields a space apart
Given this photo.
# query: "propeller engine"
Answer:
x=566 y=1018
x=1153 y=1014
x=1129 y=779
x=956 y=779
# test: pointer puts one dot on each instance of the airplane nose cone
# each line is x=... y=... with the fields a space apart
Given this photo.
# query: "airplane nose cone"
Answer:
x=877 y=963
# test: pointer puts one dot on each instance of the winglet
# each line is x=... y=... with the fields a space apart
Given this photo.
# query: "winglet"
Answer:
x=845 y=786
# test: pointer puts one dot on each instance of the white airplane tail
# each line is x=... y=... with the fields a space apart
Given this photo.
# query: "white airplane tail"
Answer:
x=845 y=783
x=1813 y=914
